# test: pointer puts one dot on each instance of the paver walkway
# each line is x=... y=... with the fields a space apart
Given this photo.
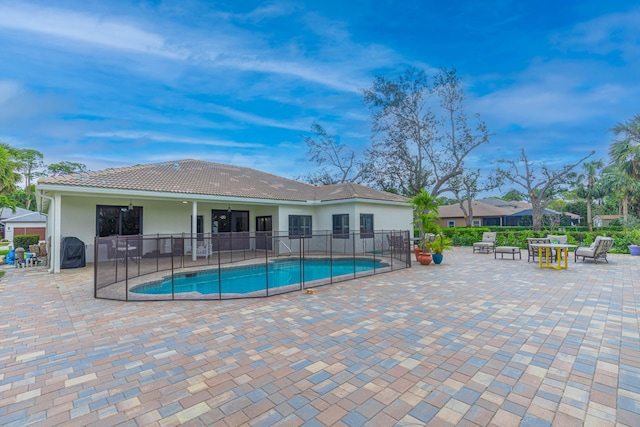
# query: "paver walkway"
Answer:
x=474 y=341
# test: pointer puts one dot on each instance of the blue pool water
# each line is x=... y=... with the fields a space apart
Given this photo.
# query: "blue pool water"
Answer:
x=253 y=278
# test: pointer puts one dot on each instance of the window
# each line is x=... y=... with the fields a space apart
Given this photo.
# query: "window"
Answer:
x=476 y=223
x=229 y=221
x=366 y=225
x=341 y=226
x=451 y=224
x=118 y=220
x=299 y=225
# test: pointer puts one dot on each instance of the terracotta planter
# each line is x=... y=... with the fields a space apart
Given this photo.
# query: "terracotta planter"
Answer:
x=424 y=258
x=416 y=252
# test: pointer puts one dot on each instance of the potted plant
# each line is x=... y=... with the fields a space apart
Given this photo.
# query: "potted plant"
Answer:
x=425 y=215
x=634 y=237
x=440 y=244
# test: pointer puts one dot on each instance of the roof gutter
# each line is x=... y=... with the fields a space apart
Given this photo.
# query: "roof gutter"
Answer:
x=121 y=193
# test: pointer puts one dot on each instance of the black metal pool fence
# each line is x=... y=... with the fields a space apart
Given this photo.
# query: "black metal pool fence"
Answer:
x=123 y=264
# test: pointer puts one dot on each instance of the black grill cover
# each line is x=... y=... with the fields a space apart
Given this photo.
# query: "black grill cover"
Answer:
x=73 y=253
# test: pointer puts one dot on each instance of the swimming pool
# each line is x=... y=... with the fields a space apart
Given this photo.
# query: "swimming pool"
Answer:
x=249 y=280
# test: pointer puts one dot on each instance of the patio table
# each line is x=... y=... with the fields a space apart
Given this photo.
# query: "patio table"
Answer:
x=560 y=248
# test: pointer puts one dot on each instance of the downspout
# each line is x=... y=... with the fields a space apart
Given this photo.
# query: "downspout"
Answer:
x=53 y=252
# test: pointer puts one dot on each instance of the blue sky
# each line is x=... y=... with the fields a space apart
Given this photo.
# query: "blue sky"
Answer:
x=117 y=83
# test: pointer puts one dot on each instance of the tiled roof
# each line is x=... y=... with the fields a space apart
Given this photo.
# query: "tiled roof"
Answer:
x=479 y=210
x=214 y=179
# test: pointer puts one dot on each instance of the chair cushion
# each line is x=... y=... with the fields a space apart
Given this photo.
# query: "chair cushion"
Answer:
x=483 y=244
x=585 y=251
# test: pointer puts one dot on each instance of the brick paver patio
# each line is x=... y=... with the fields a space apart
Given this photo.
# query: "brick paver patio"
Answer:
x=475 y=341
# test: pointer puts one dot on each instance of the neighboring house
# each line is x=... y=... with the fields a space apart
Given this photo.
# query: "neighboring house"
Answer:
x=162 y=198
x=21 y=222
x=494 y=212
x=524 y=217
x=483 y=215
x=574 y=219
x=604 y=220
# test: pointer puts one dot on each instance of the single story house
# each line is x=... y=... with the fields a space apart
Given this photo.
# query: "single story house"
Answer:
x=21 y=222
x=604 y=220
x=483 y=215
x=495 y=212
x=572 y=219
x=163 y=198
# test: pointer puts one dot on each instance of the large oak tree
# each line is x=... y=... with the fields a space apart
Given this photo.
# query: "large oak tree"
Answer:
x=537 y=180
x=421 y=132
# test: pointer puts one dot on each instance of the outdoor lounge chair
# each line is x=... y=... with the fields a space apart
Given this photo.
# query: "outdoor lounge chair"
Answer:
x=487 y=244
x=562 y=239
x=598 y=249
x=532 y=248
x=203 y=250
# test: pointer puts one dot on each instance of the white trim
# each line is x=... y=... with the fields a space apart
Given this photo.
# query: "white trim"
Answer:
x=122 y=193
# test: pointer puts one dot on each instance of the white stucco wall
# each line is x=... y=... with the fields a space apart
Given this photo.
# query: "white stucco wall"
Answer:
x=78 y=215
x=385 y=216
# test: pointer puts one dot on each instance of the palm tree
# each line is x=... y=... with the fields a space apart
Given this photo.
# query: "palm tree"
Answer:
x=8 y=177
x=625 y=151
x=425 y=215
x=616 y=182
x=591 y=191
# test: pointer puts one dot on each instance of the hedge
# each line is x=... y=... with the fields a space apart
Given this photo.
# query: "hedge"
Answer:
x=25 y=241
x=517 y=236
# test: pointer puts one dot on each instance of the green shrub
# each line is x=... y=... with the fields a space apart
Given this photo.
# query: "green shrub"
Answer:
x=517 y=236
x=25 y=241
x=463 y=236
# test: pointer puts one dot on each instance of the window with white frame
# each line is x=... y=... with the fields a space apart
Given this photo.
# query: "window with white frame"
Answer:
x=451 y=224
x=476 y=223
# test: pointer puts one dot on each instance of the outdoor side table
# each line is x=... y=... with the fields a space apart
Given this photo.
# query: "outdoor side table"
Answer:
x=513 y=250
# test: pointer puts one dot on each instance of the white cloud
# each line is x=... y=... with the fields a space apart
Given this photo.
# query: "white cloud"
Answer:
x=259 y=120
x=84 y=28
x=171 y=139
x=320 y=74
x=268 y=11
x=616 y=32
x=8 y=89
x=18 y=104
x=549 y=94
x=339 y=63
